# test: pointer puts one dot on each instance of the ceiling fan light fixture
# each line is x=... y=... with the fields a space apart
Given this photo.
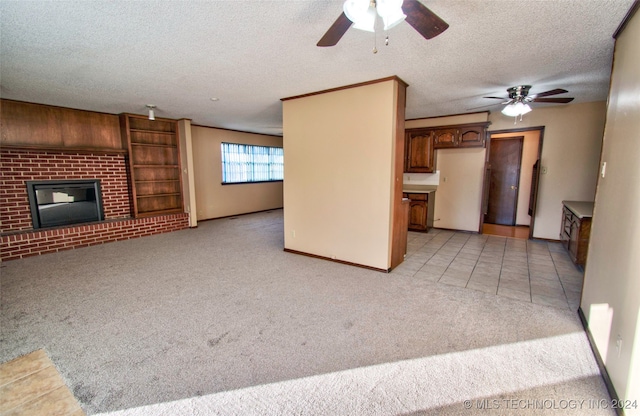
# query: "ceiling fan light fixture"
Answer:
x=391 y=12
x=516 y=109
x=362 y=13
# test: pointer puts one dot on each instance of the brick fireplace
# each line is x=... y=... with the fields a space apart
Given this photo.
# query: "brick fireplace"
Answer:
x=18 y=236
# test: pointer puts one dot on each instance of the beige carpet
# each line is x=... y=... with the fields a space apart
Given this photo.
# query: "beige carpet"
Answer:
x=219 y=320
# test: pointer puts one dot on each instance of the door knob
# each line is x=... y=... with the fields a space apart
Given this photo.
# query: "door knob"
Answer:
x=514 y=187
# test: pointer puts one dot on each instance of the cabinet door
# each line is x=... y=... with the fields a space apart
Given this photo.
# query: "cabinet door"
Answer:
x=472 y=136
x=574 y=239
x=443 y=138
x=420 y=157
x=418 y=215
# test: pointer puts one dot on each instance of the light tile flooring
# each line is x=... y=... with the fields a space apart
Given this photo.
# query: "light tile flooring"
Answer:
x=528 y=270
x=31 y=385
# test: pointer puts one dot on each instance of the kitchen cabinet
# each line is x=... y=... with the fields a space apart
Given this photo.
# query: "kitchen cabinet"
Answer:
x=420 y=211
x=473 y=135
x=419 y=152
x=421 y=143
x=445 y=137
x=462 y=135
x=576 y=229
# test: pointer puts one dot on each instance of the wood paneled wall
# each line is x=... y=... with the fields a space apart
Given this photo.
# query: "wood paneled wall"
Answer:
x=43 y=126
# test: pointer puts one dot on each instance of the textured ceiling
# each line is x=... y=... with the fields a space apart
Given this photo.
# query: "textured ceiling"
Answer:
x=118 y=56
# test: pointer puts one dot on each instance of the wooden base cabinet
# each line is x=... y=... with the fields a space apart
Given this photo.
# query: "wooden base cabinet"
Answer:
x=420 y=211
x=574 y=235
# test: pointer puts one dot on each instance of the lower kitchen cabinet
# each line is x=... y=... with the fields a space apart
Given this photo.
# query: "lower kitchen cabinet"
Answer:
x=576 y=229
x=420 y=211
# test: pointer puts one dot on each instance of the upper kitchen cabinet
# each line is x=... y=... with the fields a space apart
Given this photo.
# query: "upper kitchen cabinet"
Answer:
x=447 y=137
x=473 y=135
x=419 y=153
x=463 y=135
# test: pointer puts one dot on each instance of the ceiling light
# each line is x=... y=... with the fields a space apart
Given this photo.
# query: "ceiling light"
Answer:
x=363 y=13
x=152 y=115
x=516 y=109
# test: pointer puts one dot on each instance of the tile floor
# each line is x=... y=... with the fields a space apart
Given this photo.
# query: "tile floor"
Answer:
x=31 y=385
x=528 y=270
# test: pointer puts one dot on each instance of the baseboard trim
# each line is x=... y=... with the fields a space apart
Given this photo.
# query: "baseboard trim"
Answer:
x=348 y=263
x=601 y=366
x=239 y=215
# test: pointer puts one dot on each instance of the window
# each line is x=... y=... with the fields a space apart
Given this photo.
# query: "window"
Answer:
x=246 y=163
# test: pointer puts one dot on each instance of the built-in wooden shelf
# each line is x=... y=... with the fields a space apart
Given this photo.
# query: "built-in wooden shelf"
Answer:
x=154 y=162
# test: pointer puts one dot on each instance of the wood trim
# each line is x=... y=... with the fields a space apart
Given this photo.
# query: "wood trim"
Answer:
x=346 y=87
x=56 y=106
x=159 y=213
x=84 y=150
x=348 y=263
x=535 y=197
x=518 y=130
x=603 y=369
x=632 y=11
x=450 y=115
x=239 y=215
x=399 y=209
x=236 y=131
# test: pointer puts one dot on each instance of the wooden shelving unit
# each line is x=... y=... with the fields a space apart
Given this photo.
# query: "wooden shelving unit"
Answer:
x=154 y=164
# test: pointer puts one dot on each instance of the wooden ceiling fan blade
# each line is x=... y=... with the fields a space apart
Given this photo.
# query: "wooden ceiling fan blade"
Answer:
x=336 y=31
x=553 y=100
x=483 y=106
x=548 y=93
x=497 y=98
x=426 y=22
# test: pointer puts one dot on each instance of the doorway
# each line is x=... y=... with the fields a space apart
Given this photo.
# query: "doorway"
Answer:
x=511 y=182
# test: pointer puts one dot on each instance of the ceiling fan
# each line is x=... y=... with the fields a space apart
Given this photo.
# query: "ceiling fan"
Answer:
x=426 y=22
x=517 y=103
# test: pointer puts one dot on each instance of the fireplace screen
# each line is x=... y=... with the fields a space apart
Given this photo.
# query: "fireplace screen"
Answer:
x=55 y=203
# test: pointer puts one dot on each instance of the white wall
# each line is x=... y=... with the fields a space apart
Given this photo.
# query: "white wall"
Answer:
x=214 y=200
x=459 y=198
x=339 y=168
x=611 y=293
x=570 y=152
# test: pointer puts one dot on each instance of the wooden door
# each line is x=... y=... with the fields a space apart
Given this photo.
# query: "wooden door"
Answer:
x=505 y=156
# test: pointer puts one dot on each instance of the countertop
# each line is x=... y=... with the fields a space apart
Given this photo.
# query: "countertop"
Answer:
x=582 y=209
x=418 y=189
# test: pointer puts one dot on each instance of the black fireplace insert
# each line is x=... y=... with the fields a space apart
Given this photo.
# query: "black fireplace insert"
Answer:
x=56 y=203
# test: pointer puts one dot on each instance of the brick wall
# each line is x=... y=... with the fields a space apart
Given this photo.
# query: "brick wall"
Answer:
x=17 y=237
x=35 y=242
x=18 y=166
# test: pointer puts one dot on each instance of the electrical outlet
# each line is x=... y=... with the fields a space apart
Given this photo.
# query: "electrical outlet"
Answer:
x=293 y=233
x=603 y=170
x=619 y=345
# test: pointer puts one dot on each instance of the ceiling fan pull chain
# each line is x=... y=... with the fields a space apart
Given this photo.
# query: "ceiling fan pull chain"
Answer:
x=386 y=41
x=375 y=38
